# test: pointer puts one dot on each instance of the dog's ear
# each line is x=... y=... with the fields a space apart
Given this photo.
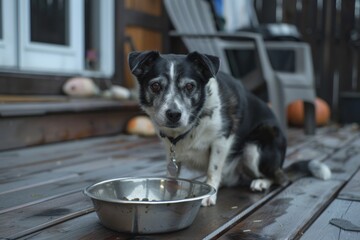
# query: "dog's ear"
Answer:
x=207 y=65
x=141 y=62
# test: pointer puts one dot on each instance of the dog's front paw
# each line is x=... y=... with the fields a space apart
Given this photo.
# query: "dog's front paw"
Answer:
x=207 y=202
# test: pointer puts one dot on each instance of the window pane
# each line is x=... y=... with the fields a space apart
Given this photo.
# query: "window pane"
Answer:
x=1 y=21
x=92 y=34
x=49 y=21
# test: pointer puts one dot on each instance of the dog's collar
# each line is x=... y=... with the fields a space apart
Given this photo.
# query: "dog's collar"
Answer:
x=176 y=139
x=173 y=167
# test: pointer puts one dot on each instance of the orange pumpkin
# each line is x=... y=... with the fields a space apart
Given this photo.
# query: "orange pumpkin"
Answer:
x=140 y=125
x=295 y=112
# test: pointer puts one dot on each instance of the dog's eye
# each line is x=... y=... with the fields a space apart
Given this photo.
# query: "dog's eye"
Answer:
x=155 y=87
x=189 y=87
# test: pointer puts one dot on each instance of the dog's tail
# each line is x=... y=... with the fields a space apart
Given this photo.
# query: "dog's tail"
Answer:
x=305 y=168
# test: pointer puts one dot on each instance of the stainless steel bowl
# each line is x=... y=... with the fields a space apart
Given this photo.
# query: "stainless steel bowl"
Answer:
x=147 y=205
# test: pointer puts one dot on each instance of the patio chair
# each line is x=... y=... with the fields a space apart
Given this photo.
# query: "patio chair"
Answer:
x=195 y=25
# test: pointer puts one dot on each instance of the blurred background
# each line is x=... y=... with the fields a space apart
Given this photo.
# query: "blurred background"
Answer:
x=44 y=43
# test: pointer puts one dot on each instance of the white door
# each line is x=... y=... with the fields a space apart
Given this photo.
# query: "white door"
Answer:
x=8 y=54
x=57 y=37
x=51 y=35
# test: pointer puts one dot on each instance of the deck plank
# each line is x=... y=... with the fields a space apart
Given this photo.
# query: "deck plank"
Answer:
x=89 y=161
x=17 y=223
x=279 y=216
x=321 y=229
x=305 y=200
x=17 y=199
x=84 y=227
x=352 y=190
x=231 y=202
x=344 y=164
x=33 y=181
x=122 y=151
x=56 y=152
x=322 y=145
x=287 y=213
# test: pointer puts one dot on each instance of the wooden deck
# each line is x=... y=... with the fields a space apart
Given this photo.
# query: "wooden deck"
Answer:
x=41 y=191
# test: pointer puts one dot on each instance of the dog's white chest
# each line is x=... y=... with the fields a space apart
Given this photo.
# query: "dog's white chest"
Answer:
x=194 y=157
x=194 y=150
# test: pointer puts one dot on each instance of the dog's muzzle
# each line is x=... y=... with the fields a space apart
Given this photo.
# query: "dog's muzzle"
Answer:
x=173 y=116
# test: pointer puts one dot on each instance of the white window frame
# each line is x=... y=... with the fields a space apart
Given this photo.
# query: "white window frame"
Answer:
x=36 y=56
x=42 y=58
x=107 y=46
x=8 y=54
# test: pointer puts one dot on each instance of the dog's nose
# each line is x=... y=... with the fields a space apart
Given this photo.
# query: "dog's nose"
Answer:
x=173 y=115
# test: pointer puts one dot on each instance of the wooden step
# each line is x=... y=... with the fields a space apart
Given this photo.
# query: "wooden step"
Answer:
x=29 y=121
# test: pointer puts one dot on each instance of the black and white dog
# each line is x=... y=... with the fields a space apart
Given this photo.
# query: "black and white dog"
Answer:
x=211 y=121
